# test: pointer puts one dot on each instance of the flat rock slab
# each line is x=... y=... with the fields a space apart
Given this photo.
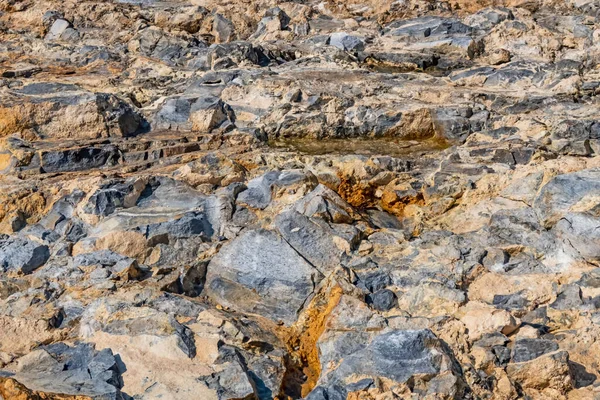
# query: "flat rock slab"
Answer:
x=396 y=355
x=261 y=273
x=21 y=255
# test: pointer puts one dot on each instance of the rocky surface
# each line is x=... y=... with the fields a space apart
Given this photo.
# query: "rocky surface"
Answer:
x=260 y=199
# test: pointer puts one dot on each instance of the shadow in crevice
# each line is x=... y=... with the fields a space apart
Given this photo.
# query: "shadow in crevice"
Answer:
x=580 y=375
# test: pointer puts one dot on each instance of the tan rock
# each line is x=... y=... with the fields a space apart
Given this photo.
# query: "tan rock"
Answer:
x=156 y=367
x=500 y=56
x=536 y=288
x=548 y=372
x=527 y=332
x=504 y=390
x=480 y=318
x=20 y=335
x=128 y=243
x=208 y=119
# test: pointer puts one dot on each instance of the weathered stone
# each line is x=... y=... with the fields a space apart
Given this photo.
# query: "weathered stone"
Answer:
x=242 y=199
x=222 y=29
x=207 y=114
x=396 y=355
x=273 y=281
x=382 y=300
x=58 y=369
x=346 y=42
x=259 y=193
x=568 y=298
x=315 y=243
x=21 y=255
x=528 y=349
x=564 y=192
x=549 y=371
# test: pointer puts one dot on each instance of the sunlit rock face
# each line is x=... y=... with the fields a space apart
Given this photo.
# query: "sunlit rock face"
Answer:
x=321 y=200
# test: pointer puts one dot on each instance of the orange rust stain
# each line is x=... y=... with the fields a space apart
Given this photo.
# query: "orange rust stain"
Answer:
x=393 y=204
x=10 y=389
x=10 y=121
x=302 y=341
x=30 y=204
x=357 y=194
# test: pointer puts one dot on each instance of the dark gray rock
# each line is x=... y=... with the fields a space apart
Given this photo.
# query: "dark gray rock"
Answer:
x=502 y=355
x=382 y=300
x=108 y=198
x=423 y=27
x=580 y=232
x=328 y=393
x=121 y=118
x=62 y=210
x=568 y=298
x=233 y=381
x=101 y=257
x=452 y=124
x=326 y=204
x=188 y=225
x=177 y=305
x=557 y=197
x=528 y=349
x=489 y=17
x=374 y=280
x=191 y=279
x=259 y=272
x=521 y=226
x=590 y=279
x=73 y=371
x=21 y=255
x=230 y=55
x=79 y=159
x=395 y=355
x=514 y=301
x=314 y=242
x=274 y=17
x=174 y=114
x=155 y=43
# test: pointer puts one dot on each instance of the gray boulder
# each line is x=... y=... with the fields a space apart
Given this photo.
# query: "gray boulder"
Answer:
x=528 y=349
x=260 y=273
x=382 y=300
x=563 y=192
x=396 y=355
x=80 y=371
x=569 y=298
x=109 y=197
x=326 y=204
x=309 y=238
x=580 y=231
x=62 y=30
x=346 y=42
x=21 y=255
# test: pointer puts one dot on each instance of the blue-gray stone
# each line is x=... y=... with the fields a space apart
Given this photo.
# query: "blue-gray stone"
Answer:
x=21 y=255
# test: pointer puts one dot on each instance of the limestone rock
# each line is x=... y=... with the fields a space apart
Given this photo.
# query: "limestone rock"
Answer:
x=372 y=199
x=273 y=282
x=21 y=255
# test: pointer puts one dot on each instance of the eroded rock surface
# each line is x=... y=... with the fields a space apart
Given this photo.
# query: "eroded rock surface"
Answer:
x=321 y=200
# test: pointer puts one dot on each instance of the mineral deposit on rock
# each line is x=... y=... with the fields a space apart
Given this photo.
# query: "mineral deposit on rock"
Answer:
x=303 y=199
